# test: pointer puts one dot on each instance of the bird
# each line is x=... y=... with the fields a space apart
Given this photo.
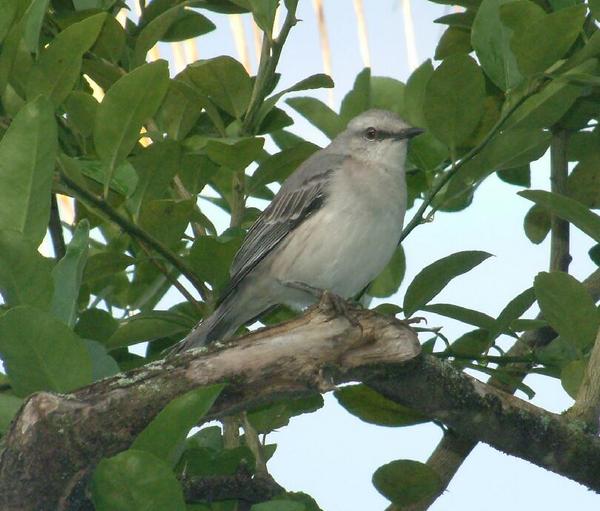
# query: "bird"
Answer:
x=333 y=226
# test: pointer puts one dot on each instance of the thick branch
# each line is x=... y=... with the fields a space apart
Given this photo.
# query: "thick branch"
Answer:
x=452 y=450
x=287 y=360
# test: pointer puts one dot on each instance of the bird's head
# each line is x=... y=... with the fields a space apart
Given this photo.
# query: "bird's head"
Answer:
x=378 y=136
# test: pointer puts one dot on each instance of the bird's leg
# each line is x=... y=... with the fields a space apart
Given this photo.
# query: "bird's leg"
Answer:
x=340 y=306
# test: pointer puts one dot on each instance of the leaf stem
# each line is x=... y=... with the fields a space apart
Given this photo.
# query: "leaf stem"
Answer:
x=269 y=58
x=137 y=232
x=419 y=217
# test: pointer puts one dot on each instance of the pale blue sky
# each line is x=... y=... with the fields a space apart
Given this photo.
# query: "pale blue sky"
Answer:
x=331 y=454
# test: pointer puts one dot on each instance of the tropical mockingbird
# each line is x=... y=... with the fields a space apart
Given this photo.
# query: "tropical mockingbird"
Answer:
x=334 y=225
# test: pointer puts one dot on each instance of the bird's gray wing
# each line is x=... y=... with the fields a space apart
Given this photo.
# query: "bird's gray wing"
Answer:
x=303 y=193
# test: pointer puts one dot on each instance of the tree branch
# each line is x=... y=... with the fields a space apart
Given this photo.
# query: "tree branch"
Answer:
x=443 y=179
x=453 y=449
x=559 y=230
x=132 y=229
x=289 y=359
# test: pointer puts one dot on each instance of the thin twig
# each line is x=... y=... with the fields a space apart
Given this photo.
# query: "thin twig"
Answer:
x=137 y=232
x=418 y=217
x=172 y=279
x=269 y=58
x=559 y=173
x=56 y=229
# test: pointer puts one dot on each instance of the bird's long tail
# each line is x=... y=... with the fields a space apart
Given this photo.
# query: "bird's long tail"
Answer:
x=234 y=311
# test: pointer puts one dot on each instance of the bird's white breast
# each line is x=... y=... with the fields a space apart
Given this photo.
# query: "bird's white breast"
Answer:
x=348 y=242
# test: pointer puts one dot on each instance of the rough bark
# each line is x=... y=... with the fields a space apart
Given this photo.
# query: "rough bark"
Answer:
x=56 y=440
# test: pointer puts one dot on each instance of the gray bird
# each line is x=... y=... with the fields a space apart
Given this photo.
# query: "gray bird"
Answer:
x=334 y=225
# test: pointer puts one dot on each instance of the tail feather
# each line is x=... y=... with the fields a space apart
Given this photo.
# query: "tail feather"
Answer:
x=219 y=325
x=235 y=310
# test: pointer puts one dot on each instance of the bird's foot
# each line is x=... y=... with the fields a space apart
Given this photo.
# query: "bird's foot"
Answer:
x=411 y=321
x=327 y=300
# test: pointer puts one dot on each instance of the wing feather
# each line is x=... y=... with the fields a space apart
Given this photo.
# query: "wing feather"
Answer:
x=303 y=193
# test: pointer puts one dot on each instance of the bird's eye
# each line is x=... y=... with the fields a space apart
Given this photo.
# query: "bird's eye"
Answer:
x=371 y=133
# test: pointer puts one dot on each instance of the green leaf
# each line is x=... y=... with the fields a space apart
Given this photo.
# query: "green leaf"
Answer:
x=234 y=154
x=103 y=365
x=414 y=94
x=8 y=12
x=518 y=176
x=490 y=38
x=453 y=40
x=316 y=81
x=539 y=44
x=406 y=482
x=389 y=280
x=318 y=114
x=41 y=353
x=512 y=311
x=388 y=94
x=81 y=111
x=432 y=279
x=148 y=326
x=468 y=316
x=96 y=324
x=32 y=20
x=568 y=209
x=111 y=41
x=277 y=167
x=156 y=166
x=164 y=437
x=9 y=406
x=537 y=224
x=188 y=25
x=594 y=254
x=359 y=98
x=472 y=344
x=278 y=414
x=572 y=375
x=584 y=183
x=454 y=100
x=27 y=153
x=370 y=406
x=279 y=505
x=24 y=273
x=224 y=81
x=509 y=149
x=211 y=258
x=263 y=12
x=127 y=104
x=594 y=6
x=153 y=30
x=68 y=274
x=568 y=307
x=133 y=481
x=166 y=219
x=59 y=65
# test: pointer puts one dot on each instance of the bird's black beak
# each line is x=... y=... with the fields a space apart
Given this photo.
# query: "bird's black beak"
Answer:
x=408 y=133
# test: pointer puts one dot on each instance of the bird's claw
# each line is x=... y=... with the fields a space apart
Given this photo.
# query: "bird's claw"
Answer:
x=411 y=321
